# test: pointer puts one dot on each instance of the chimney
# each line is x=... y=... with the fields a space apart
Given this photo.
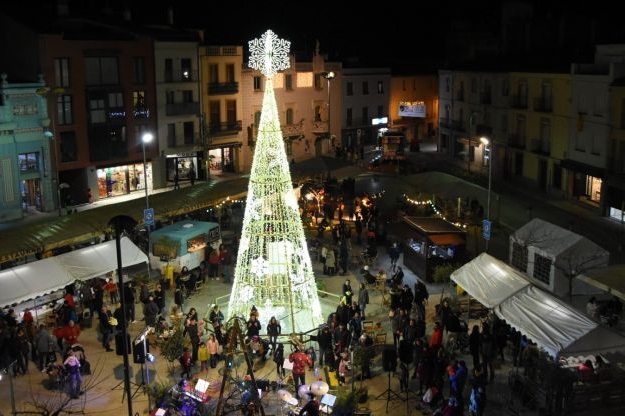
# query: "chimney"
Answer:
x=170 y=16
x=62 y=8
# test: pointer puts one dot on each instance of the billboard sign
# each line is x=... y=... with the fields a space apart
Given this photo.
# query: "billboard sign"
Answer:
x=412 y=109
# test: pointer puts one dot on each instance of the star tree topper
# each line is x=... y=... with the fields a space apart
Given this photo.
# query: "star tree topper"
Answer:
x=269 y=54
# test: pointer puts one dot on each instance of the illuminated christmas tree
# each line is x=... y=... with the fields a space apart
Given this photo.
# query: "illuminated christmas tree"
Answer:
x=273 y=268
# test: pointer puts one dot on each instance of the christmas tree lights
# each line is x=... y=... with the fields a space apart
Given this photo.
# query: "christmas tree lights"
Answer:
x=273 y=268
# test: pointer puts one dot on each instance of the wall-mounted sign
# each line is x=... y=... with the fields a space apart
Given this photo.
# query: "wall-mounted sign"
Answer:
x=412 y=109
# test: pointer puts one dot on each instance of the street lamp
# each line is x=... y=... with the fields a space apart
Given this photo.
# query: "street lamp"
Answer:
x=329 y=76
x=486 y=142
x=146 y=138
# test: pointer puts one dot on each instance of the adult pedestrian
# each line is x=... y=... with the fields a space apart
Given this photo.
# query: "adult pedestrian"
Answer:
x=348 y=292
x=363 y=299
x=192 y=328
x=393 y=254
x=324 y=339
x=106 y=327
x=192 y=175
x=278 y=358
x=300 y=361
x=179 y=299
x=129 y=302
x=159 y=298
x=274 y=329
x=475 y=344
x=225 y=258
x=150 y=312
x=44 y=344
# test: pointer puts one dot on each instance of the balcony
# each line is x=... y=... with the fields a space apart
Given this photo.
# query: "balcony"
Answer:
x=217 y=88
x=543 y=105
x=291 y=130
x=182 y=109
x=518 y=101
x=181 y=76
x=540 y=146
x=227 y=127
x=516 y=140
x=320 y=127
x=456 y=125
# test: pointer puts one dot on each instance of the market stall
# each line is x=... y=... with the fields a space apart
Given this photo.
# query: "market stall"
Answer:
x=428 y=242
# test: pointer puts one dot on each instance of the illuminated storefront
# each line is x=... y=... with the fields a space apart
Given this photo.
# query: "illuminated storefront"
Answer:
x=122 y=180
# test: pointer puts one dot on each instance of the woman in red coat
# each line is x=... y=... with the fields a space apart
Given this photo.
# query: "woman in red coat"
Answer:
x=436 y=339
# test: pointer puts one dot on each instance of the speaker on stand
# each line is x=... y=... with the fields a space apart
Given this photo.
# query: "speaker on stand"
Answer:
x=389 y=363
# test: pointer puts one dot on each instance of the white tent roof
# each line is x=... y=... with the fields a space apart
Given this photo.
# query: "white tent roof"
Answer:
x=97 y=260
x=28 y=281
x=546 y=320
x=31 y=280
x=489 y=280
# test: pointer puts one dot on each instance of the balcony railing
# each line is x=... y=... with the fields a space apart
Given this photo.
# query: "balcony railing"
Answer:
x=452 y=124
x=225 y=127
x=543 y=104
x=540 y=146
x=215 y=88
x=180 y=109
x=290 y=130
x=180 y=76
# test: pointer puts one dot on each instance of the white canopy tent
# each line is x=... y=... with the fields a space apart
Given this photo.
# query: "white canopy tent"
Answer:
x=555 y=326
x=489 y=280
x=546 y=320
x=29 y=281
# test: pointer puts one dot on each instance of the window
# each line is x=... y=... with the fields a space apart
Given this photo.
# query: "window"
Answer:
x=381 y=87
x=447 y=84
x=288 y=82
x=289 y=116
x=365 y=115
x=102 y=70
x=169 y=70
x=186 y=72
x=29 y=162
x=473 y=85
x=350 y=88
x=288 y=147
x=519 y=257
x=140 y=130
x=231 y=113
x=169 y=97
x=505 y=87
x=171 y=134
x=97 y=110
x=317 y=113
x=139 y=108
x=61 y=72
x=318 y=81
x=258 y=83
x=116 y=106
x=68 y=146
x=542 y=268
x=64 y=109
x=139 y=63
x=214 y=115
x=257 y=118
x=348 y=117
x=187 y=96
x=213 y=73
x=365 y=88
x=380 y=111
x=187 y=128
x=230 y=73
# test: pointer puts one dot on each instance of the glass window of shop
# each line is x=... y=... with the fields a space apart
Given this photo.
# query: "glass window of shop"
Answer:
x=182 y=165
x=121 y=180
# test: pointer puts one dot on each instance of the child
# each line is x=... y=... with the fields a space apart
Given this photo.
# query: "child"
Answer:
x=185 y=363
x=310 y=351
x=202 y=356
x=212 y=347
x=343 y=367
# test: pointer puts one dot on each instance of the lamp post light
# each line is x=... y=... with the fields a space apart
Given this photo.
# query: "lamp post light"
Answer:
x=486 y=142
x=146 y=138
x=329 y=76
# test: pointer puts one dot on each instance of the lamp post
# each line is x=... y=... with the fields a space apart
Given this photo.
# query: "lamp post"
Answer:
x=486 y=142
x=329 y=76
x=8 y=370
x=146 y=138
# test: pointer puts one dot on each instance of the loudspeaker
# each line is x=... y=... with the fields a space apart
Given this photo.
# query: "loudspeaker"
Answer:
x=389 y=358
x=119 y=344
x=139 y=353
x=405 y=352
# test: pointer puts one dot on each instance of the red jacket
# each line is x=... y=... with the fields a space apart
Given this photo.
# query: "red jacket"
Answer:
x=300 y=362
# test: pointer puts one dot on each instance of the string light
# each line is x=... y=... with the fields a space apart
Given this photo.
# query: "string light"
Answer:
x=273 y=268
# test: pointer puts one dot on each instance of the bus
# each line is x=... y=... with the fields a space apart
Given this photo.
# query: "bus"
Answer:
x=185 y=244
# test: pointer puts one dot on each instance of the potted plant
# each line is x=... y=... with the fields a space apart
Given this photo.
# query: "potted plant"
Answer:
x=348 y=401
x=172 y=348
x=158 y=392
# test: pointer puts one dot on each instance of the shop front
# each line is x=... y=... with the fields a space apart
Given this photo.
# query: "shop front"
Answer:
x=124 y=179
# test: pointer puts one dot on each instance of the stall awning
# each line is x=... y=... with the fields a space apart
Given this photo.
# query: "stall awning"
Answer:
x=447 y=239
x=31 y=280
